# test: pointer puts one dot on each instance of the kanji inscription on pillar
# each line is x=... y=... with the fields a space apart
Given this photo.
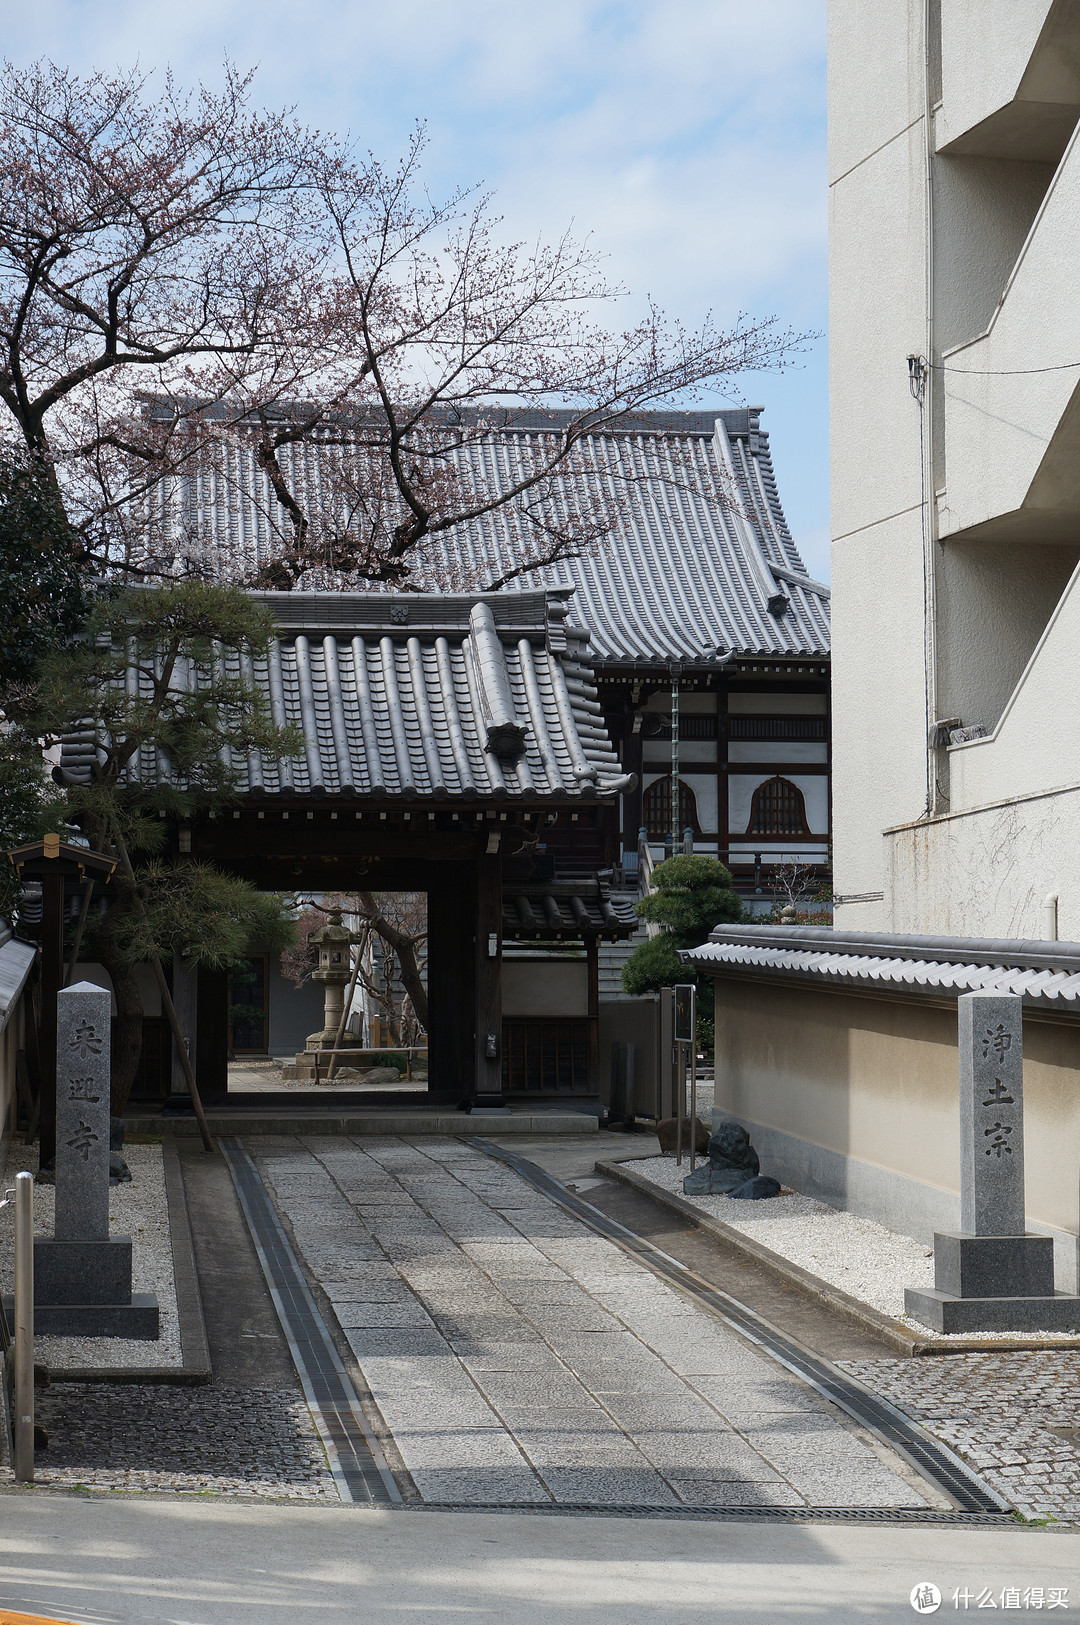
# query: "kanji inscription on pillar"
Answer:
x=991 y=1114
x=82 y=1113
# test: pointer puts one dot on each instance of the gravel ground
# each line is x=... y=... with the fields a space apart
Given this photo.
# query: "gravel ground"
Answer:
x=863 y=1258
x=139 y=1210
x=1012 y=1417
x=222 y=1441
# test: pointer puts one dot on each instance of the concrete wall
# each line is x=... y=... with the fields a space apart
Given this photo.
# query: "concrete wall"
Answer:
x=877 y=317
x=954 y=170
x=855 y=1099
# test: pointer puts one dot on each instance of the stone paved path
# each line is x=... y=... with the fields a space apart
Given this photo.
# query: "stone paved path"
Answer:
x=1015 y=1418
x=517 y=1356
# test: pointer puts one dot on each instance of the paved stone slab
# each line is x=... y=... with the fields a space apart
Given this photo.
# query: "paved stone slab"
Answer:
x=532 y=1359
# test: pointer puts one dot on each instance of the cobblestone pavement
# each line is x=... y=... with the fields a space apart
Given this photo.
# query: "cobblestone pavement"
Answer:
x=227 y=1441
x=1015 y=1418
x=517 y=1356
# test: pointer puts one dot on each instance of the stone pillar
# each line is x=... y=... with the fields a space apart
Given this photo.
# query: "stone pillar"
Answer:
x=991 y=1050
x=82 y=1277
x=82 y=1113
x=991 y=1275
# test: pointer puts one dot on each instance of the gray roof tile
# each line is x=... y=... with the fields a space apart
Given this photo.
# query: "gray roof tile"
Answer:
x=1045 y=974
x=702 y=549
x=463 y=698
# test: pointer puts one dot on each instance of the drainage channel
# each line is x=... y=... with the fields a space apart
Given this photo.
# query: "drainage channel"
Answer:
x=931 y=1459
x=356 y=1461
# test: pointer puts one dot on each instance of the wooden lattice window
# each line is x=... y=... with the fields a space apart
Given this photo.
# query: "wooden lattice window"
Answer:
x=778 y=808
x=545 y=1057
x=656 y=808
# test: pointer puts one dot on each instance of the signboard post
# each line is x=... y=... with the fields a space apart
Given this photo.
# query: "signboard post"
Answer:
x=685 y=1025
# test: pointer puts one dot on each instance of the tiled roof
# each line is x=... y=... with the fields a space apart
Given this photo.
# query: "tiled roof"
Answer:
x=16 y=963
x=564 y=909
x=702 y=550
x=444 y=698
x=1045 y=974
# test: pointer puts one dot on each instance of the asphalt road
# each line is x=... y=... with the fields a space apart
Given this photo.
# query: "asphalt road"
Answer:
x=215 y=1562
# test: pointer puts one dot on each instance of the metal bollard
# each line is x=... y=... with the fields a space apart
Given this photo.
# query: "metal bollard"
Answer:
x=24 y=1329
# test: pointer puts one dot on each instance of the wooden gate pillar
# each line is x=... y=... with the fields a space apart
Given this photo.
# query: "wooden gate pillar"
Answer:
x=487 y=1075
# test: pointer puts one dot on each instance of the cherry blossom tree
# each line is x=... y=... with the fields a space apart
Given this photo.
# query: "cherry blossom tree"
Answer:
x=197 y=297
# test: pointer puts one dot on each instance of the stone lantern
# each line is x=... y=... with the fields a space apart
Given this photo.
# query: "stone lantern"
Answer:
x=333 y=941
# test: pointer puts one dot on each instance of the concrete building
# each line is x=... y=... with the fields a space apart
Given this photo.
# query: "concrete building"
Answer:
x=954 y=363
x=955 y=428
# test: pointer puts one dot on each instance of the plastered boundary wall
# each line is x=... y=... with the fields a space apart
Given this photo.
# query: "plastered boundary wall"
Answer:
x=853 y=1099
x=985 y=872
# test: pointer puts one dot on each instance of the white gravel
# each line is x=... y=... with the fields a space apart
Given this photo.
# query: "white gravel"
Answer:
x=139 y=1210
x=861 y=1257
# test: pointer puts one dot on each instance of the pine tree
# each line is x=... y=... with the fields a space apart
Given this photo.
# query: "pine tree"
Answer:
x=193 y=710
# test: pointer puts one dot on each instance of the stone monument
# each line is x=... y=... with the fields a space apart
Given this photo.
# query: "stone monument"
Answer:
x=992 y=1275
x=82 y=1278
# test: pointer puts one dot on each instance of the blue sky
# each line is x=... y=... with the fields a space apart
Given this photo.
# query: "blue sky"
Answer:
x=687 y=136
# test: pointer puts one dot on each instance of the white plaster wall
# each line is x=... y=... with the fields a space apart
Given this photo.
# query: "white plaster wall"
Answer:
x=875 y=51
x=545 y=987
x=778 y=705
x=657 y=752
x=1036 y=744
x=878 y=766
x=877 y=317
x=777 y=750
x=91 y=971
x=985 y=47
x=985 y=873
x=1001 y=412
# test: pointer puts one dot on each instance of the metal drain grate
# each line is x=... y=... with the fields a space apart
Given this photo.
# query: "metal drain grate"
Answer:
x=356 y=1461
x=931 y=1459
x=601 y=1509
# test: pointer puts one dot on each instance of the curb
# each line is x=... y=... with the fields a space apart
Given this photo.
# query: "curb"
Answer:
x=890 y=1331
x=444 y=1124
x=194 y=1348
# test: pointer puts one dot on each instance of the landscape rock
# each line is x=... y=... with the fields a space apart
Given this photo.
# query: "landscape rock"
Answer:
x=709 y=1180
x=119 y=1172
x=756 y=1189
x=732 y=1163
x=666 y=1134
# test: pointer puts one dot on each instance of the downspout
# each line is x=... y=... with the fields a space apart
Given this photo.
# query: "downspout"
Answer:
x=937 y=795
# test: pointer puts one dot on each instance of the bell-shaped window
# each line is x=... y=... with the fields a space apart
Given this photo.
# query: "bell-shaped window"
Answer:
x=656 y=809
x=778 y=808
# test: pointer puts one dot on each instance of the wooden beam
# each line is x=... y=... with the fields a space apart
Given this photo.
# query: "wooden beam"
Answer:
x=487 y=1075
x=723 y=792
x=592 y=959
x=52 y=980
